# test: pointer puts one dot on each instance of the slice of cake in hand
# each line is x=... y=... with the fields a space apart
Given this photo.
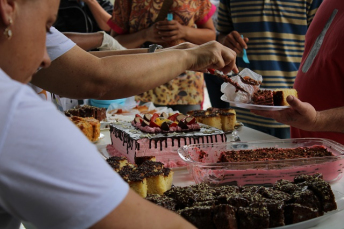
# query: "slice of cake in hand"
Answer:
x=263 y=97
x=280 y=96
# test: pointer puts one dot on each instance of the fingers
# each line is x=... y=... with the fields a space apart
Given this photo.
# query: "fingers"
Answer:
x=234 y=41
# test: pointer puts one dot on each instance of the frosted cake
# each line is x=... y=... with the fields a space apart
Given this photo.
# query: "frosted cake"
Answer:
x=130 y=141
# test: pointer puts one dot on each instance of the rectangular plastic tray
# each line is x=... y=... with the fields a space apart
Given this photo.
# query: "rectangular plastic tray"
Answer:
x=262 y=172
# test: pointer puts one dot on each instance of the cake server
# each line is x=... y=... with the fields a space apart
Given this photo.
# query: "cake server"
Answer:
x=226 y=78
x=244 y=56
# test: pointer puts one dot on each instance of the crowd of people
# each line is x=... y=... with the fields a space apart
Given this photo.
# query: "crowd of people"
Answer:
x=49 y=171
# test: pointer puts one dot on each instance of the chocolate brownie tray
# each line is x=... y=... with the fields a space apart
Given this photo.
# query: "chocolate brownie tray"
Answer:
x=263 y=162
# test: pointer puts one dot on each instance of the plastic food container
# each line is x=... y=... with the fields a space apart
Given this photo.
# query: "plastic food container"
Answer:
x=261 y=172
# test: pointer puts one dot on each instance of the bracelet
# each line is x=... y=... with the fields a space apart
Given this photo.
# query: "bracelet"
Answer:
x=153 y=47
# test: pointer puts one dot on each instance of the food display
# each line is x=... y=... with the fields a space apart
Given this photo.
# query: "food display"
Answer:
x=89 y=126
x=87 y=111
x=160 y=137
x=221 y=118
x=263 y=162
x=284 y=203
x=147 y=177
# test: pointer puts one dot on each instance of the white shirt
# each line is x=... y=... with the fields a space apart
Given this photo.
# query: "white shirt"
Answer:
x=50 y=174
x=57 y=44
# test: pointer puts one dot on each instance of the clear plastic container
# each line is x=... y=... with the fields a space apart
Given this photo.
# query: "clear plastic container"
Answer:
x=263 y=172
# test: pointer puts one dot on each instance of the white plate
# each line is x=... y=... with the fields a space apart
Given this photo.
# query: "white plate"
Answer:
x=251 y=106
x=312 y=222
x=100 y=137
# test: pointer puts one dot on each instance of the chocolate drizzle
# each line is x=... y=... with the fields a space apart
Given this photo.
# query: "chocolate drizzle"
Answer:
x=129 y=137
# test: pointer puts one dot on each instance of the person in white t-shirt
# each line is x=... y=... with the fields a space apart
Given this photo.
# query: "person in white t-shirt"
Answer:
x=51 y=175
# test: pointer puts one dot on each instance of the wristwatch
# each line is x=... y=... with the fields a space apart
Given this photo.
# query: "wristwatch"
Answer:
x=154 y=47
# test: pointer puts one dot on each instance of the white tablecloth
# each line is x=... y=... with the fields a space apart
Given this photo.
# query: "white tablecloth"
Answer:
x=183 y=178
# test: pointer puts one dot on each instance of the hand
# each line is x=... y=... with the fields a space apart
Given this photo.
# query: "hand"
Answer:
x=171 y=30
x=212 y=55
x=234 y=41
x=301 y=115
x=151 y=34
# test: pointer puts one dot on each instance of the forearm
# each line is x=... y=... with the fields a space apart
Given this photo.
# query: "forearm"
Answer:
x=99 y=14
x=136 y=212
x=199 y=35
x=86 y=41
x=110 y=77
x=330 y=120
x=134 y=40
x=119 y=52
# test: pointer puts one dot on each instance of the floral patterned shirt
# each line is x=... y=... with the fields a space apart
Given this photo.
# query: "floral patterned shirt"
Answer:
x=131 y=16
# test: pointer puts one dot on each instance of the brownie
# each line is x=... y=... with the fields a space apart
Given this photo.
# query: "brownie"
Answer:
x=163 y=201
x=187 y=196
x=286 y=186
x=308 y=199
x=235 y=199
x=324 y=192
x=224 y=217
x=199 y=216
x=271 y=193
x=87 y=111
x=295 y=213
x=256 y=216
x=276 y=212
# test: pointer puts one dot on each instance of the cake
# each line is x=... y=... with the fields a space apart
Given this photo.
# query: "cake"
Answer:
x=263 y=97
x=249 y=206
x=221 y=118
x=280 y=96
x=150 y=177
x=87 y=111
x=277 y=97
x=133 y=140
x=89 y=126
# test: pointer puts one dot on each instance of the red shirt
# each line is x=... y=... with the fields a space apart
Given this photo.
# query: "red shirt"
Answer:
x=322 y=85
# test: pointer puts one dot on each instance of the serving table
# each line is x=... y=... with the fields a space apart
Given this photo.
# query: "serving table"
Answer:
x=183 y=178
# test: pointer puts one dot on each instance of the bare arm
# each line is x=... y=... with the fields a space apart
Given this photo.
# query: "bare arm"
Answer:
x=136 y=212
x=135 y=40
x=302 y=115
x=99 y=14
x=86 y=41
x=173 y=30
x=78 y=74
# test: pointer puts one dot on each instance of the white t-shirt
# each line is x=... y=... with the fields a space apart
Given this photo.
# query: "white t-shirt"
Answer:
x=50 y=174
x=57 y=44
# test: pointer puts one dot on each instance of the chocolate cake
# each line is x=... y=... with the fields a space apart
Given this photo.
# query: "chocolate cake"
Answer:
x=162 y=200
x=278 y=97
x=87 y=111
x=267 y=154
x=263 y=97
x=250 y=206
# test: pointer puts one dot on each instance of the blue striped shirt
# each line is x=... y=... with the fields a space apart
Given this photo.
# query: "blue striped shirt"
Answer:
x=276 y=30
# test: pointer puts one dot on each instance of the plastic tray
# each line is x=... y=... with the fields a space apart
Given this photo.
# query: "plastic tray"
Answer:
x=262 y=172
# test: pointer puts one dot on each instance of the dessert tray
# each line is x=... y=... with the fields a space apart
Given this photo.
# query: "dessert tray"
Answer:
x=251 y=106
x=261 y=172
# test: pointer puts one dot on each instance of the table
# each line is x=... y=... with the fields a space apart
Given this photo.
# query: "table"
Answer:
x=183 y=178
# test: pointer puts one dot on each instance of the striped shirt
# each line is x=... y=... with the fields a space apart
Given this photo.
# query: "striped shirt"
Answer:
x=276 y=30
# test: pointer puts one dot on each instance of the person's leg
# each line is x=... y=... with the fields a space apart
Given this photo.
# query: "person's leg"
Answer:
x=282 y=133
x=213 y=84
